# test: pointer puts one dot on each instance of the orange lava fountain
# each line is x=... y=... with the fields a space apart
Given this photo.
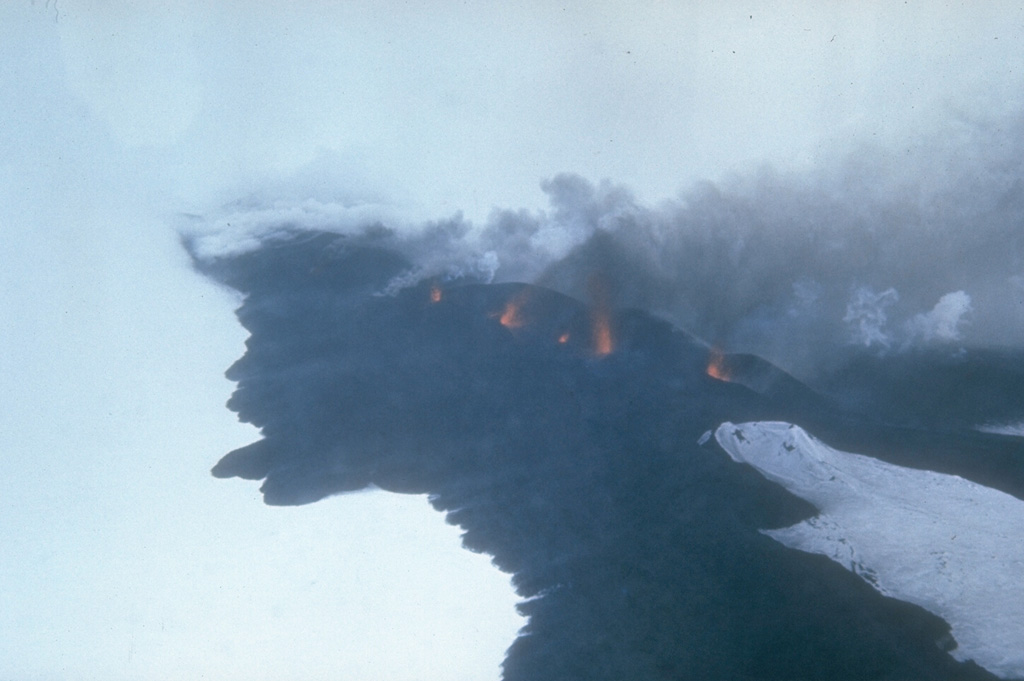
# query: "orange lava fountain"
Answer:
x=716 y=365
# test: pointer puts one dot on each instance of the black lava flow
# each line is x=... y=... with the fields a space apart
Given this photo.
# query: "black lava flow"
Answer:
x=636 y=549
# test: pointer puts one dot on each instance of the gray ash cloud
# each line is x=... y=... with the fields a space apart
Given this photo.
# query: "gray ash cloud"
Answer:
x=880 y=252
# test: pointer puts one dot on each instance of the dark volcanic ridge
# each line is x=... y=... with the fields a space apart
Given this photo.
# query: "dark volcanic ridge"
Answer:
x=562 y=436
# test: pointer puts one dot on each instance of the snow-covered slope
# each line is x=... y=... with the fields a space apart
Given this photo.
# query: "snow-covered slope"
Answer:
x=953 y=547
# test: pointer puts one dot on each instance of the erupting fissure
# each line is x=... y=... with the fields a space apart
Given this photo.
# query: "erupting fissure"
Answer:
x=603 y=344
x=716 y=365
x=600 y=316
x=511 y=316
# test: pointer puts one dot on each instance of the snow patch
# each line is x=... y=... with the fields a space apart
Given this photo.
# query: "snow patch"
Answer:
x=1016 y=429
x=949 y=545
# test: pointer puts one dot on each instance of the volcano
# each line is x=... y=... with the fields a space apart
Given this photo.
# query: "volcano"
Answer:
x=571 y=444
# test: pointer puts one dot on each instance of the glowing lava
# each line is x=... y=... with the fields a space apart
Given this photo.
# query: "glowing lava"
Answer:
x=511 y=316
x=603 y=344
x=600 y=316
x=435 y=294
x=716 y=365
x=564 y=338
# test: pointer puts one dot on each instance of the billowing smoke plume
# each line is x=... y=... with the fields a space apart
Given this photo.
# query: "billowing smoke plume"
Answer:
x=887 y=250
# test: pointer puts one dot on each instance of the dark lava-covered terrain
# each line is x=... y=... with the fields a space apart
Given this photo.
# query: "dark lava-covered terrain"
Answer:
x=565 y=438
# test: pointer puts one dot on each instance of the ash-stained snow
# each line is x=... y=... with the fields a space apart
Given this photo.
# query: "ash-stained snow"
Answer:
x=949 y=545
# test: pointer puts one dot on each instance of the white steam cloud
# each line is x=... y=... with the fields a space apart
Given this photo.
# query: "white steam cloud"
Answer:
x=866 y=315
x=943 y=323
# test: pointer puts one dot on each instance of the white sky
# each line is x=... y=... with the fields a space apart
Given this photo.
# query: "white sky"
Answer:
x=121 y=558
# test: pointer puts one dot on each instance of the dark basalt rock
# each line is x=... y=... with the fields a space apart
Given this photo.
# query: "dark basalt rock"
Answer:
x=580 y=473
